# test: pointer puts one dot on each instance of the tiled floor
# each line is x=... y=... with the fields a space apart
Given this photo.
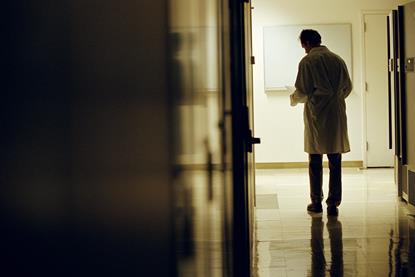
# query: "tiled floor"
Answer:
x=374 y=234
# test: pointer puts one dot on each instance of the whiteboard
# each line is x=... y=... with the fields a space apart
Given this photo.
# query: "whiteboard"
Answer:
x=283 y=51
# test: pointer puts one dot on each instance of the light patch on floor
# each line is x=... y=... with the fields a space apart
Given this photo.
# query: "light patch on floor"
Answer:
x=267 y=201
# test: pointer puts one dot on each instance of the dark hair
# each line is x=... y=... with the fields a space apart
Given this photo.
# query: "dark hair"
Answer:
x=312 y=36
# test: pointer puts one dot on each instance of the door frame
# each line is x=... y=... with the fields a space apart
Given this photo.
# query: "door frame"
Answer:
x=363 y=76
x=241 y=142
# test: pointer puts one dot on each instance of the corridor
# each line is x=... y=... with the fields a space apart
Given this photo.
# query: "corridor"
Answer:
x=372 y=236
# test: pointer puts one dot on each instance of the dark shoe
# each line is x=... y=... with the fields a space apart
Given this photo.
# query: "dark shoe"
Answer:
x=332 y=211
x=315 y=208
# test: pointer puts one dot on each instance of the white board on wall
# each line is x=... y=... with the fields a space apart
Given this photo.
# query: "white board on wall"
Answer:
x=283 y=51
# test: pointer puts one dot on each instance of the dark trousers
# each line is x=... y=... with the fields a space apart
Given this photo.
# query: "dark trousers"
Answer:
x=315 y=170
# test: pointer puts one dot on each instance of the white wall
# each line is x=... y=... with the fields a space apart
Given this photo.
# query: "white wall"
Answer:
x=280 y=126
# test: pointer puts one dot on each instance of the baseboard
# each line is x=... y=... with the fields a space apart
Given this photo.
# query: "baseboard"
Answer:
x=280 y=165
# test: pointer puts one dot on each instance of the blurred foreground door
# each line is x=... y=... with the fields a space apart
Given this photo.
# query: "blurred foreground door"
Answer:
x=84 y=149
x=202 y=137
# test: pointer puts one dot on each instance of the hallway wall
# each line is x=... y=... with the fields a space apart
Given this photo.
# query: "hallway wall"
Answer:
x=282 y=140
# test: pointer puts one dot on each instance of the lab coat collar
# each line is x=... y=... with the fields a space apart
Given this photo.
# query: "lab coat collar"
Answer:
x=318 y=49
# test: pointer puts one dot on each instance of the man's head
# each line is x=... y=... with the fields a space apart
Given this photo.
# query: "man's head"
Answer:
x=309 y=39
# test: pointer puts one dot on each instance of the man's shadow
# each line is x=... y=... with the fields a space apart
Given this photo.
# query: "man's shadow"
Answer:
x=318 y=260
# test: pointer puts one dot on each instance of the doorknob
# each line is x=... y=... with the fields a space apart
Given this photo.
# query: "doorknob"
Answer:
x=251 y=141
x=255 y=140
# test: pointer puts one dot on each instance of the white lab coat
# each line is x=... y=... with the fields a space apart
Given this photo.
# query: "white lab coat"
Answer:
x=323 y=83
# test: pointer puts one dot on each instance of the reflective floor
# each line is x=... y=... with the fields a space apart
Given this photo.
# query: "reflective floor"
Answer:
x=374 y=234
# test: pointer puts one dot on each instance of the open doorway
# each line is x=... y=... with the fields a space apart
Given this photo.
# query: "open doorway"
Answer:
x=281 y=126
x=282 y=175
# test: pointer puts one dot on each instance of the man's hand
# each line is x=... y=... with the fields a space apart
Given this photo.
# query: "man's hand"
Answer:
x=296 y=96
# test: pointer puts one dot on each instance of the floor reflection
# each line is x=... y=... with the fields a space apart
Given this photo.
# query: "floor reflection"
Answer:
x=402 y=248
x=318 y=259
x=374 y=234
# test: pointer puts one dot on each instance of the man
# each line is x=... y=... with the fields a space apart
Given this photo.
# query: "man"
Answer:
x=322 y=84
